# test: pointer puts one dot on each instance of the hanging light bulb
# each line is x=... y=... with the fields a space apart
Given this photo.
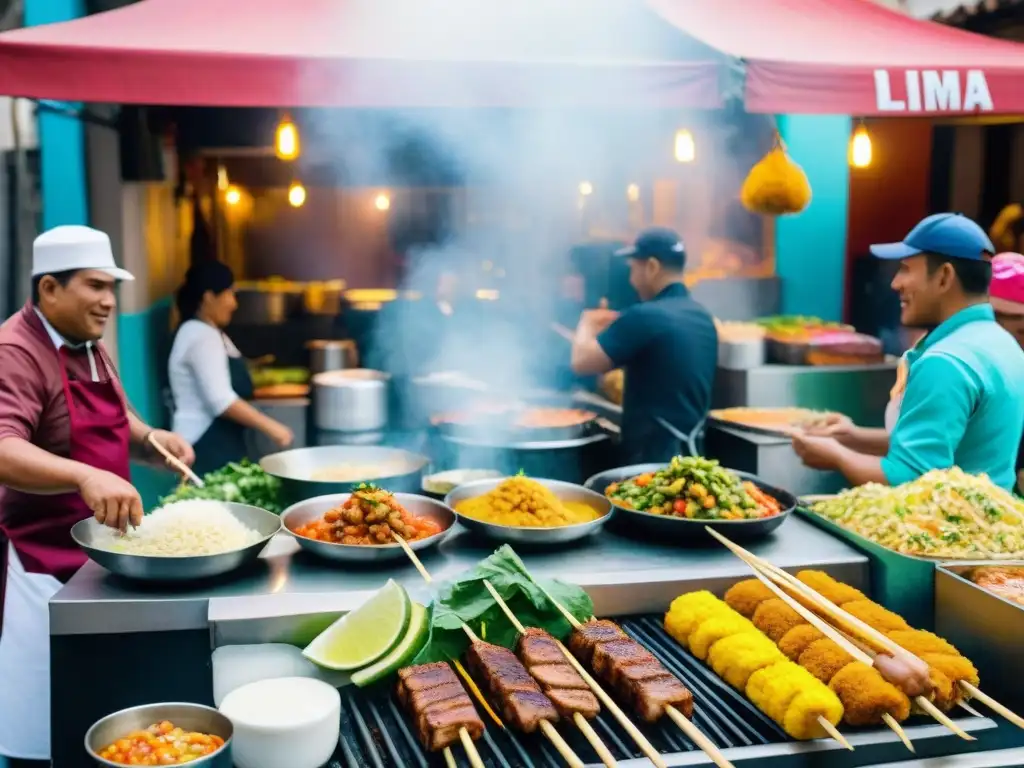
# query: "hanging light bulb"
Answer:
x=286 y=139
x=633 y=192
x=233 y=195
x=382 y=202
x=860 y=148
x=586 y=188
x=222 y=178
x=296 y=195
x=686 y=149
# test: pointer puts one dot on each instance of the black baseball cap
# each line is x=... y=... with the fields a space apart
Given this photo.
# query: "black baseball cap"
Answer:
x=658 y=243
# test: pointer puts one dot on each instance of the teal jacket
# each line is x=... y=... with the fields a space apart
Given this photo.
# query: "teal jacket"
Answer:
x=963 y=404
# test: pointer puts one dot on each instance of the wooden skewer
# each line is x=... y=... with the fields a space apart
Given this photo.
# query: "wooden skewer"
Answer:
x=467 y=741
x=580 y=720
x=995 y=706
x=685 y=725
x=843 y=642
x=860 y=628
x=173 y=460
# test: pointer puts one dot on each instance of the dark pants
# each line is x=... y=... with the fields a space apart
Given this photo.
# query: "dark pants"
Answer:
x=17 y=762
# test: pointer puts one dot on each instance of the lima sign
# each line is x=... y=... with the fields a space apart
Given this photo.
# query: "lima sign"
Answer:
x=933 y=90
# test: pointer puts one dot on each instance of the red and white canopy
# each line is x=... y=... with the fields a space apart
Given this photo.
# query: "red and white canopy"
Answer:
x=784 y=56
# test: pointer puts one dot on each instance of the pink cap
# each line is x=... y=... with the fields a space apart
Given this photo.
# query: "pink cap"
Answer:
x=1007 y=289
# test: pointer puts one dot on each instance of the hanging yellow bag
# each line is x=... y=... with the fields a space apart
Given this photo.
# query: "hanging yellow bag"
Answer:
x=776 y=185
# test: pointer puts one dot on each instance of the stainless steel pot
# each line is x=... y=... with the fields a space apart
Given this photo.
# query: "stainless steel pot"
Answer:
x=354 y=400
x=266 y=303
x=741 y=355
x=323 y=298
x=332 y=355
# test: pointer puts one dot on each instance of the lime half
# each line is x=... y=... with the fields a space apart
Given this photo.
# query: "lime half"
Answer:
x=413 y=642
x=361 y=637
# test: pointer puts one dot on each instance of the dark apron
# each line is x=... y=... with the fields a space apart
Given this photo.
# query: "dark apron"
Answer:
x=39 y=527
x=224 y=440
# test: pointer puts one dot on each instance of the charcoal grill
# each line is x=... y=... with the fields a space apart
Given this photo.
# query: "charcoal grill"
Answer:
x=376 y=733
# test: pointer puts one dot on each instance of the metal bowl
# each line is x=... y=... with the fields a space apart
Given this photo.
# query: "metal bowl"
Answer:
x=448 y=481
x=295 y=470
x=306 y=511
x=511 y=534
x=191 y=717
x=679 y=530
x=191 y=568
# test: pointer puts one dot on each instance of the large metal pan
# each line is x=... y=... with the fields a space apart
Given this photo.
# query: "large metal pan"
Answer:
x=86 y=534
x=402 y=471
x=511 y=534
x=679 y=530
x=307 y=511
x=501 y=427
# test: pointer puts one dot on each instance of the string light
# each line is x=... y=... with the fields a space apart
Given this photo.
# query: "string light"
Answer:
x=633 y=192
x=860 y=147
x=233 y=195
x=222 y=178
x=382 y=202
x=286 y=139
x=296 y=195
x=586 y=188
x=686 y=149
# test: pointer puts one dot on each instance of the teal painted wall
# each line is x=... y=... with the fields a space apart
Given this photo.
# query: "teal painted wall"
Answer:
x=61 y=138
x=810 y=248
x=142 y=341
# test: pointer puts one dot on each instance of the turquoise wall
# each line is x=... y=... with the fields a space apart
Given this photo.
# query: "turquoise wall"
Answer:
x=810 y=248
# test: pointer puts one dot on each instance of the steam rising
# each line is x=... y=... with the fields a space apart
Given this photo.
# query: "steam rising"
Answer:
x=513 y=207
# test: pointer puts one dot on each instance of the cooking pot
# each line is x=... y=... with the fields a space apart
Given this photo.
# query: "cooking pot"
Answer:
x=268 y=302
x=332 y=355
x=353 y=400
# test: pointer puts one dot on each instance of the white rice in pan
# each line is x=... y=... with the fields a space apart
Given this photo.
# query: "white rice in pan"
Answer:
x=182 y=529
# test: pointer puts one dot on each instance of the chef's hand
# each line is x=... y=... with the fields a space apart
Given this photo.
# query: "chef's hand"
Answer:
x=833 y=425
x=113 y=500
x=281 y=436
x=596 y=320
x=176 y=445
x=817 y=452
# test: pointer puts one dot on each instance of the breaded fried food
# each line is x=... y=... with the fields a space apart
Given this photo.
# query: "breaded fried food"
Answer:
x=824 y=658
x=687 y=612
x=876 y=616
x=866 y=695
x=956 y=668
x=714 y=629
x=944 y=692
x=919 y=641
x=775 y=618
x=744 y=596
x=794 y=642
x=801 y=720
x=834 y=591
x=736 y=658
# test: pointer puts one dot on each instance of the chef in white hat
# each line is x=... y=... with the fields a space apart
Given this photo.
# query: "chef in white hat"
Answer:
x=66 y=432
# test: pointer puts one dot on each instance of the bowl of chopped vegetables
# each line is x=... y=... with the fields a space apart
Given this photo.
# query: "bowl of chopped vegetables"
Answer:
x=162 y=734
x=675 y=502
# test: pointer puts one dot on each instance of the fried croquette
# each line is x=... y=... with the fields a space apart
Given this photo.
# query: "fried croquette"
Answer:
x=919 y=641
x=744 y=596
x=736 y=658
x=834 y=591
x=824 y=658
x=775 y=618
x=876 y=616
x=866 y=696
x=793 y=643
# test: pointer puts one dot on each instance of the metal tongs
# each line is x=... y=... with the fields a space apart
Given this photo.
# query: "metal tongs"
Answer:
x=175 y=463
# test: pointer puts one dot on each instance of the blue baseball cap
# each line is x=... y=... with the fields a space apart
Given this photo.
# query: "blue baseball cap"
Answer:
x=658 y=243
x=944 y=234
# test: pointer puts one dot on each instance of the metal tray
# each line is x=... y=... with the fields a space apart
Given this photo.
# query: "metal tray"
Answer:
x=418 y=506
x=510 y=534
x=679 y=530
x=986 y=628
x=902 y=583
x=497 y=428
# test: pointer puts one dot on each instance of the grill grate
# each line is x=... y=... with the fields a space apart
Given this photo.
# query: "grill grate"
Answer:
x=376 y=733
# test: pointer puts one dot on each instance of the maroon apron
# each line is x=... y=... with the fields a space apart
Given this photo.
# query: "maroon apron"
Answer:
x=39 y=526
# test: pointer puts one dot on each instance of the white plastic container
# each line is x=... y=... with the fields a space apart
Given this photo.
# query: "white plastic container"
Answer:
x=286 y=722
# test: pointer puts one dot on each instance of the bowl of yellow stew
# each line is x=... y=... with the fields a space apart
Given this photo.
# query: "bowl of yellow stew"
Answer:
x=527 y=510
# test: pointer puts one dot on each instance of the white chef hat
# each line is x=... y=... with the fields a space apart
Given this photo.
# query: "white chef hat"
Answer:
x=66 y=248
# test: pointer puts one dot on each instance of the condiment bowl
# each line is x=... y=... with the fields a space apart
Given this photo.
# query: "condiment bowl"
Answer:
x=307 y=511
x=512 y=534
x=191 y=717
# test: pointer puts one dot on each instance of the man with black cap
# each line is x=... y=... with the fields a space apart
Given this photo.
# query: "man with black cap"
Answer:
x=963 y=403
x=667 y=345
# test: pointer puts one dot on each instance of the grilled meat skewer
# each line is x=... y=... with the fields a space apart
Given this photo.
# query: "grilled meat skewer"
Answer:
x=630 y=669
x=509 y=684
x=438 y=704
x=543 y=659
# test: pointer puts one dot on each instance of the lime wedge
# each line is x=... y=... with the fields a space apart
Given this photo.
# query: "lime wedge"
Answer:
x=361 y=637
x=413 y=642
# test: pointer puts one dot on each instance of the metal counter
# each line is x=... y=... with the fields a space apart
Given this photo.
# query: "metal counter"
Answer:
x=285 y=582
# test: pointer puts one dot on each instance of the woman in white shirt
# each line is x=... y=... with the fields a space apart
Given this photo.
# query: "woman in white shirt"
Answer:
x=210 y=382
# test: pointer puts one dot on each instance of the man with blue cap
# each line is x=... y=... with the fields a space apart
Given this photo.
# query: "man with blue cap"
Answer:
x=964 y=399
